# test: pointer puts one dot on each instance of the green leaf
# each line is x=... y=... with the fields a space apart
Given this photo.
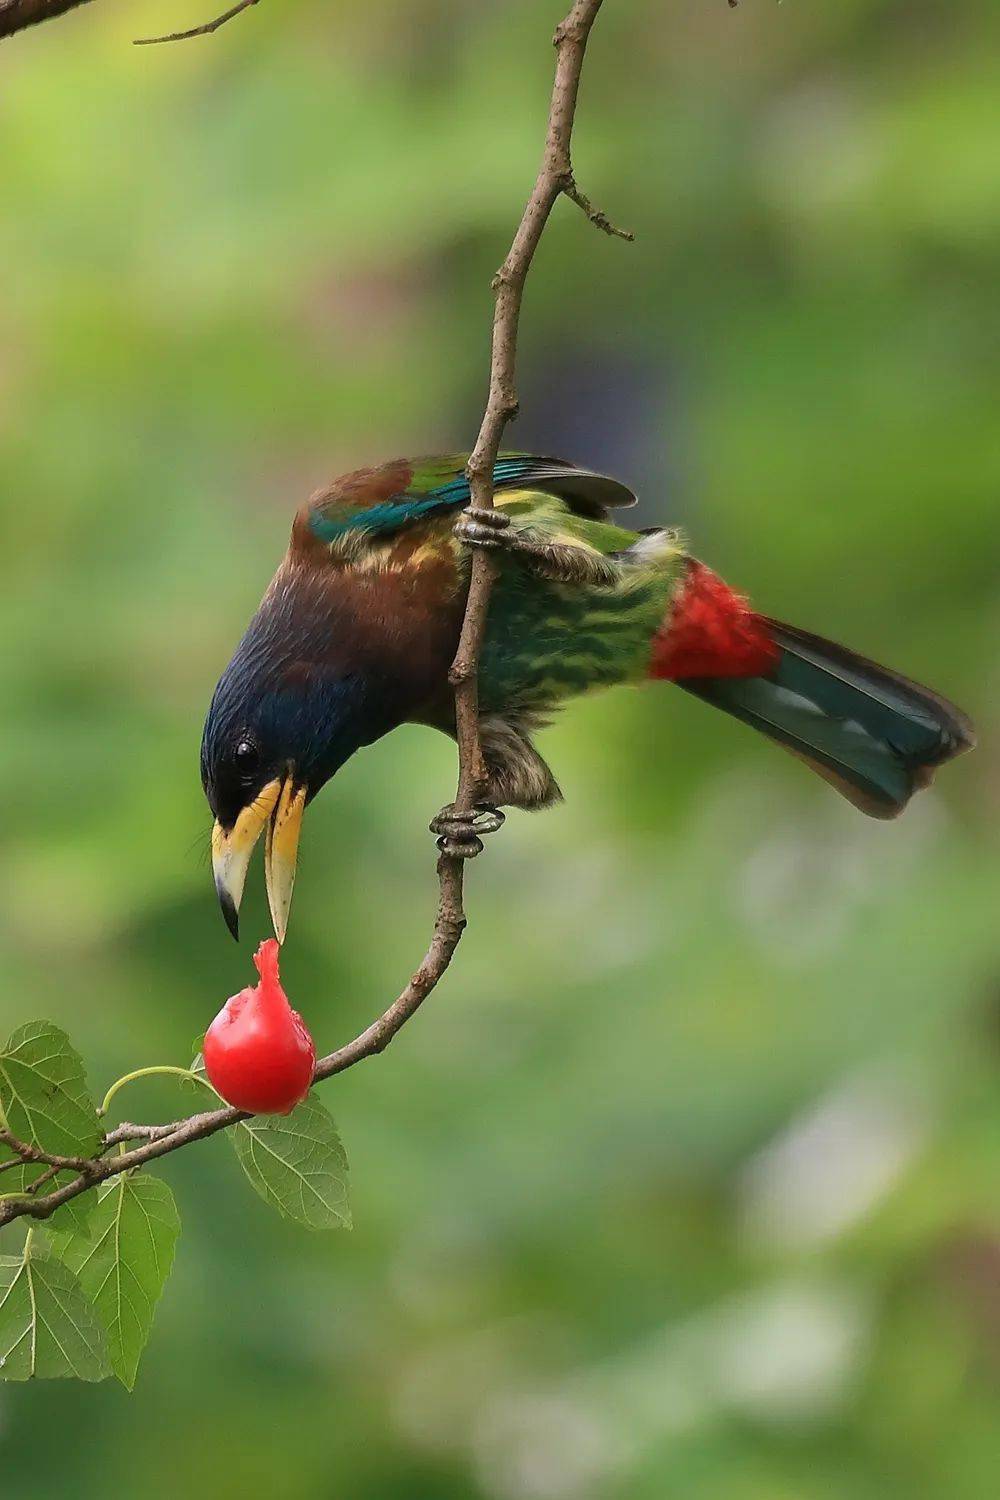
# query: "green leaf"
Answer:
x=44 y=1101
x=48 y=1329
x=124 y=1261
x=75 y=1215
x=297 y=1164
x=43 y=1091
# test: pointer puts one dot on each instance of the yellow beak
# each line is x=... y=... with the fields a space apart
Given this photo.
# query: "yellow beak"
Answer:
x=281 y=854
x=278 y=807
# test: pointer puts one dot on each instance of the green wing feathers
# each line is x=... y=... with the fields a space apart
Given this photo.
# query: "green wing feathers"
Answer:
x=382 y=501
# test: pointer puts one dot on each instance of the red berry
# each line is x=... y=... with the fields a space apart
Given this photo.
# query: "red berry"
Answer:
x=258 y=1051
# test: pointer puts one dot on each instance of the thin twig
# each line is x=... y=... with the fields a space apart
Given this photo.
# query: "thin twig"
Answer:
x=555 y=177
x=206 y=29
x=31 y=1155
x=595 y=215
x=39 y=1182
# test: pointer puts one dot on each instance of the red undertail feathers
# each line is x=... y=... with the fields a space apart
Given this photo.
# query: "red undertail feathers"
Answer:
x=711 y=632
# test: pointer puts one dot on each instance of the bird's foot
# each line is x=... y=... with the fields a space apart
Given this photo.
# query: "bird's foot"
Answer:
x=477 y=527
x=557 y=561
x=461 y=834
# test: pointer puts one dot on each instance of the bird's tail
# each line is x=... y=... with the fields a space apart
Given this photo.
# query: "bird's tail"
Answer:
x=874 y=735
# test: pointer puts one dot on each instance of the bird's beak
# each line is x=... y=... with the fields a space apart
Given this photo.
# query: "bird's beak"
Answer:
x=281 y=853
x=278 y=807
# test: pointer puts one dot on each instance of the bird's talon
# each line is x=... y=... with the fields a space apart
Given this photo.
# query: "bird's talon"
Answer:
x=458 y=833
x=497 y=520
x=487 y=819
x=474 y=535
x=477 y=527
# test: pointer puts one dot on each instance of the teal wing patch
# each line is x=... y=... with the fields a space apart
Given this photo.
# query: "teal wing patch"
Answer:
x=378 y=502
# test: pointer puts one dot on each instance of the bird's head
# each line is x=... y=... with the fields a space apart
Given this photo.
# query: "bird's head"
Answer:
x=279 y=725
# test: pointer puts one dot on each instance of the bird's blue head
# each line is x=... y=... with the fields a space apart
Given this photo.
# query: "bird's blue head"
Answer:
x=280 y=724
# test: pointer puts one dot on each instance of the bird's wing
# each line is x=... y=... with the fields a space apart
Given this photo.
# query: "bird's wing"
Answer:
x=375 y=503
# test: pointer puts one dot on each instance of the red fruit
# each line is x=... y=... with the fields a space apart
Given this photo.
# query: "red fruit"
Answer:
x=258 y=1051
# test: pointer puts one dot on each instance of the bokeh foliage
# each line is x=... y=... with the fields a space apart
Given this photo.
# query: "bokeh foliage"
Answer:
x=685 y=1182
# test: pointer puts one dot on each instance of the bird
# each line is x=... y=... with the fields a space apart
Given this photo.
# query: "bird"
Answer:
x=358 y=628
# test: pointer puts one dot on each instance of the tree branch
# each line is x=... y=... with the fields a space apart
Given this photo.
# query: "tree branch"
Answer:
x=205 y=29
x=18 y=15
x=163 y=1140
x=555 y=177
x=33 y=1155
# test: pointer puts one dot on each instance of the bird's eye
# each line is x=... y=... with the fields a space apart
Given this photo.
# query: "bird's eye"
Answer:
x=246 y=756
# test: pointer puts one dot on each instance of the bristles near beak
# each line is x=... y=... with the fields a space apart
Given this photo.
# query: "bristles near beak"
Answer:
x=281 y=854
x=231 y=851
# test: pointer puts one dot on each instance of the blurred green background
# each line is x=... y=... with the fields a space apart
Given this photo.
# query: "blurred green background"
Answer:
x=685 y=1182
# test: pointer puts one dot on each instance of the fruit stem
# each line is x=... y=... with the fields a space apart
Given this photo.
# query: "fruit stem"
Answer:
x=146 y=1073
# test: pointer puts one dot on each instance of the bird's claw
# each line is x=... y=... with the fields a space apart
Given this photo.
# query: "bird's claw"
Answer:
x=458 y=833
x=477 y=527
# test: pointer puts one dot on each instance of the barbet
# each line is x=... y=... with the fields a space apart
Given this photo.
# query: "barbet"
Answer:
x=359 y=626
